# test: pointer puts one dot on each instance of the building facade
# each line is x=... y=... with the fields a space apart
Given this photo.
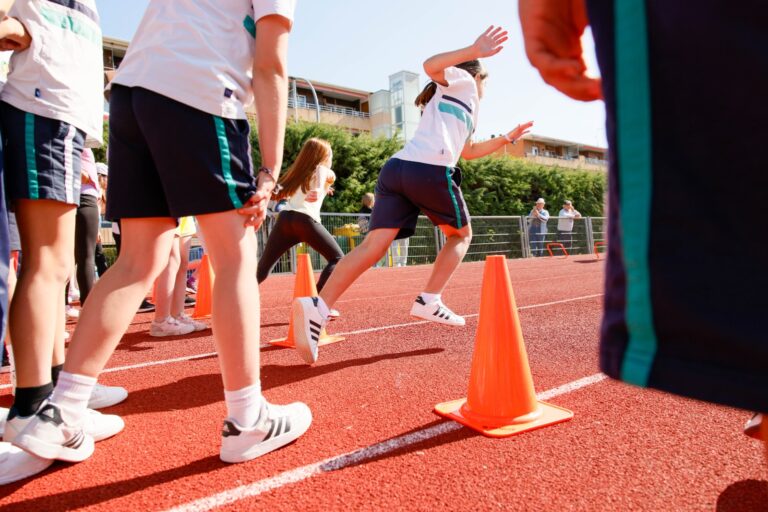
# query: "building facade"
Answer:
x=562 y=153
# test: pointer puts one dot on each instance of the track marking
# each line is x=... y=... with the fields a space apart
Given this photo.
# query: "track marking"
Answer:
x=348 y=333
x=353 y=458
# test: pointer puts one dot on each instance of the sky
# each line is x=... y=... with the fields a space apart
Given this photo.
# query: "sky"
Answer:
x=359 y=44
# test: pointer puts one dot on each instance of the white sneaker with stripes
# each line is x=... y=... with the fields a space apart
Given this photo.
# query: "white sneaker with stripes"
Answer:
x=435 y=312
x=308 y=324
x=277 y=426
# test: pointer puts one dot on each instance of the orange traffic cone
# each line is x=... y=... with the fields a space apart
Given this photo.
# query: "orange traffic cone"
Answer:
x=304 y=287
x=204 y=297
x=153 y=293
x=501 y=401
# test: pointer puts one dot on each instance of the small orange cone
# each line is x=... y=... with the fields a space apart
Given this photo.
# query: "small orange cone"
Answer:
x=204 y=297
x=501 y=401
x=304 y=287
x=153 y=294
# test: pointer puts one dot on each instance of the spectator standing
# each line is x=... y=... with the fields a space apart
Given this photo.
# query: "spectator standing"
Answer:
x=565 y=224
x=538 y=227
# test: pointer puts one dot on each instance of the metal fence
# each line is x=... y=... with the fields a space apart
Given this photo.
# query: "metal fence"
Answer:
x=511 y=236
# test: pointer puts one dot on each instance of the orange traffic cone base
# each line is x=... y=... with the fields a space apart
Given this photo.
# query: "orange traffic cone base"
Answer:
x=325 y=339
x=550 y=415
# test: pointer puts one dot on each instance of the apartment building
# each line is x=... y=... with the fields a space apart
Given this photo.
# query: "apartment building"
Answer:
x=558 y=152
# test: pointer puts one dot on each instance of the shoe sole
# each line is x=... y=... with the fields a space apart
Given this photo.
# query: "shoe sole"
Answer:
x=38 y=465
x=56 y=451
x=301 y=340
x=753 y=429
x=264 y=448
x=167 y=334
x=437 y=320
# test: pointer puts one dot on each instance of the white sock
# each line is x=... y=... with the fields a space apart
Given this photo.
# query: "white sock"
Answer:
x=244 y=405
x=71 y=394
x=323 y=308
x=430 y=298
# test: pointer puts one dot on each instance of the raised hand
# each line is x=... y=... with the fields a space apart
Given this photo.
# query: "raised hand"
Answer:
x=520 y=130
x=489 y=43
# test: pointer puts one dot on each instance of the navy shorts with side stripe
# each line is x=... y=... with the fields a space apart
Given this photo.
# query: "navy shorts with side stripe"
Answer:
x=406 y=188
x=167 y=159
x=686 y=277
x=42 y=156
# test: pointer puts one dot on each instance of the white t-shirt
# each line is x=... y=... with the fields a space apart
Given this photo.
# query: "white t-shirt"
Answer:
x=565 y=222
x=61 y=75
x=199 y=52
x=447 y=123
x=322 y=179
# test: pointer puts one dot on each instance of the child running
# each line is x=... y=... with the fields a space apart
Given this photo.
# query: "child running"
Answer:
x=305 y=186
x=421 y=177
x=179 y=146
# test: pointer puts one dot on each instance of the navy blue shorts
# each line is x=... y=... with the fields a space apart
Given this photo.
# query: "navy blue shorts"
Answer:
x=167 y=159
x=686 y=279
x=42 y=156
x=406 y=188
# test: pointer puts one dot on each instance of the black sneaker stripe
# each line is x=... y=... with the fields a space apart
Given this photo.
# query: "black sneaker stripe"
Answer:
x=76 y=441
x=420 y=300
x=314 y=331
x=315 y=324
x=315 y=338
x=271 y=429
x=287 y=425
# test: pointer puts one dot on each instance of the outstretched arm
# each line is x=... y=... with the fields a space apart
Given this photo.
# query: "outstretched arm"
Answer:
x=486 y=45
x=552 y=31
x=474 y=150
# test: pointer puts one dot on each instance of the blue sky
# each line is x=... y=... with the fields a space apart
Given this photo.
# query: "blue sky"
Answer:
x=359 y=44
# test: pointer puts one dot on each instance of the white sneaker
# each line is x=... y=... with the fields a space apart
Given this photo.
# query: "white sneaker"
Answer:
x=188 y=320
x=46 y=435
x=277 y=426
x=16 y=464
x=106 y=396
x=435 y=312
x=72 y=312
x=308 y=323
x=3 y=417
x=333 y=314
x=97 y=425
x=169 y=327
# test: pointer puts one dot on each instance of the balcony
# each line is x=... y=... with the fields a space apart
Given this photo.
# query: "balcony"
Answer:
x=334 y=109
x=589 y=164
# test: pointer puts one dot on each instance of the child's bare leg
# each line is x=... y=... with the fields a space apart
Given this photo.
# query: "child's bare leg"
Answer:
x=112 y=304
x=165 y=284
x=352 y=266
x=451 y=255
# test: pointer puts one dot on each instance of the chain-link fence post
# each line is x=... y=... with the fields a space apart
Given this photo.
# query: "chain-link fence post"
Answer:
x=525 y=237
x=590 y=236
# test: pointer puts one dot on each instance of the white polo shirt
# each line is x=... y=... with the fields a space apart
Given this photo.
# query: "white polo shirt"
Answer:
x=323 y=178
x=61 y=75
x=448 y=122
x=199 y=52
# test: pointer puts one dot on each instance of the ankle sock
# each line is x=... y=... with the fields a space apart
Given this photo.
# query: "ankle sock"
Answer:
x=72 y=394
x=323 y=308
x=28 y=400
x=55 y=371
x=430 y=298
x=244 y=405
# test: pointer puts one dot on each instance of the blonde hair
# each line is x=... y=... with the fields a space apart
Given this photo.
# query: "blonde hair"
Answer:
x=368 y=199
x=313 y=153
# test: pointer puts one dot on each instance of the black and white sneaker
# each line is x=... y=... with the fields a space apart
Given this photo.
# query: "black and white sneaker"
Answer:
x=754 y=425
x=48 y=436
x=308 y=323
x=277 y=426
x=146 y=307
x=435 y=312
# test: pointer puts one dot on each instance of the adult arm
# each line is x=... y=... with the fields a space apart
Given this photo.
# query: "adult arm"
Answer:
x=552 y=31
x=270 y=87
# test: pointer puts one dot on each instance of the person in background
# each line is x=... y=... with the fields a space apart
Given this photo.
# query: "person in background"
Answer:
x=368 y=201
x=538 y=227
x=100 y=257
x=565 y=224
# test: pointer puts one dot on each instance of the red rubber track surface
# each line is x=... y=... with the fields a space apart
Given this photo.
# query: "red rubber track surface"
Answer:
x=626 y=449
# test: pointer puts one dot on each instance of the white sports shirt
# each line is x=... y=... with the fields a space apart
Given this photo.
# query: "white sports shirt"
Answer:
x=448 y=121
x=199 y=52
x=61 y=75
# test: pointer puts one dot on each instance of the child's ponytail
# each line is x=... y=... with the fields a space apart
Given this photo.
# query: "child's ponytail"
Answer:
x=426 y=94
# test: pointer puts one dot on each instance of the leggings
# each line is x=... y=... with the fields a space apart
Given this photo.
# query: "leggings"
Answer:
x=86 y=234
x=292 y=228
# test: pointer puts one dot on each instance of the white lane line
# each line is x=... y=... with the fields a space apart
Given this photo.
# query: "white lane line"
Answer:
x=348 y=333
x=352 y=458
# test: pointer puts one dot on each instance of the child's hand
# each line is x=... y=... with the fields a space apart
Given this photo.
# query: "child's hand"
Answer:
x=13 y=35
x=520 y=130
x=552 y=32
x=489 y=43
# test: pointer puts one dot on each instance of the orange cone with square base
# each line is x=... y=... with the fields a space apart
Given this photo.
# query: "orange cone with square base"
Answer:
x=501 y=401
x=304 y=287
x=204 y=297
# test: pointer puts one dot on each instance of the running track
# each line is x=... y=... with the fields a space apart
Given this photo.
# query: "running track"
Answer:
x=375 y=443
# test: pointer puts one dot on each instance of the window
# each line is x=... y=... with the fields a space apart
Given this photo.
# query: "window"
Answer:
x=398 y=115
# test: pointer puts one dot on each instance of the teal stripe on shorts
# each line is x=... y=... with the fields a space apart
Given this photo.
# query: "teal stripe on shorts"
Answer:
x=226 y=161
x=453 y=197
x=633 y=114
x=31 y=154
